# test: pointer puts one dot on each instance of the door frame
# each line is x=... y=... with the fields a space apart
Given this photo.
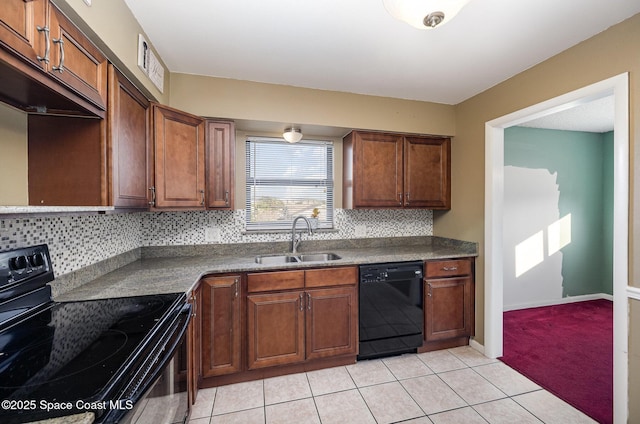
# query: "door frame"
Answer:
x=618 y=86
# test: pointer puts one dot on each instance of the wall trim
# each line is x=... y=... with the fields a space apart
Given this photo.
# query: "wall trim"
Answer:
x=564 y=300
x=633 y=292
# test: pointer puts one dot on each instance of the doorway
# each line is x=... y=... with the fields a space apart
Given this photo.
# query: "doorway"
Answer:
x=494 y=194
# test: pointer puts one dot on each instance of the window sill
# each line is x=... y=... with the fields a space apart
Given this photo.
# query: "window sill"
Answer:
x=282 y=231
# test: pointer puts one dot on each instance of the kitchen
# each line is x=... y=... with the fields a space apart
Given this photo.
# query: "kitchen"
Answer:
x=122 y=234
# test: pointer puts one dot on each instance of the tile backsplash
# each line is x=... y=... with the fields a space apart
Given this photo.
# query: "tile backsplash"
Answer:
x=77 y=241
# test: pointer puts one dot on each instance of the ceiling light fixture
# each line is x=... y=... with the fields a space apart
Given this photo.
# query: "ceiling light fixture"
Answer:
x=292 y=135
x=424 y=14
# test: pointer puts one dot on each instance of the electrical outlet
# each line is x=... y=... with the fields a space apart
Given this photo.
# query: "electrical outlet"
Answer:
x=361 y=230
x=212 y=235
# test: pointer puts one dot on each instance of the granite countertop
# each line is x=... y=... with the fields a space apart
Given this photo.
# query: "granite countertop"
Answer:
x=176 y=269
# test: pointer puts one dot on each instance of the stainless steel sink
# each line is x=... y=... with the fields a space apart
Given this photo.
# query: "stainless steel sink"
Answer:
x=304 y=257
x=275 y=259
x=315 y=257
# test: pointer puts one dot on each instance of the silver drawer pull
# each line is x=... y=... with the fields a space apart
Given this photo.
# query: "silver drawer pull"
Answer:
x=450 y=268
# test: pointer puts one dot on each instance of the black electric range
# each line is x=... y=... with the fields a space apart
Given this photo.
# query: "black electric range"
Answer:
x=59 y=359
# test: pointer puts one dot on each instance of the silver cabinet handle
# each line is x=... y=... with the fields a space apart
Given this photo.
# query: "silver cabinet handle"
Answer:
x=429 y=290
x=47 y=42
x=153 y=196
x=202 y=194
x=450 y=268
x=308 y=301
x=407 y=196
x=400 y=198
x=301 y=302
x=226 y=197
x=236 y=288
x=60 y=67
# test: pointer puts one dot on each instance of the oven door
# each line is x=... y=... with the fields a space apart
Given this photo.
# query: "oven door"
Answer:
x=158 y=391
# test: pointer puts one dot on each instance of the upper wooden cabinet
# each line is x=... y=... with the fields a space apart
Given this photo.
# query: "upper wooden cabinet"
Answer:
x=179 y=159
x=75 y=61
x=220 y=146
x=22 y=29
x=128 y=142
x=383 y=170
x=46 y=63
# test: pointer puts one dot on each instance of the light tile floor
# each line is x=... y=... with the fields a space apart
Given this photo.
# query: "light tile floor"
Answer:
x=451 y=386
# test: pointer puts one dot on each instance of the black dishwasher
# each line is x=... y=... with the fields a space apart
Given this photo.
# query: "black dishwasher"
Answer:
x=391 y=317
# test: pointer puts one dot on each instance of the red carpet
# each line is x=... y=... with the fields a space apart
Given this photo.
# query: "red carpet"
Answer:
x=568 y=350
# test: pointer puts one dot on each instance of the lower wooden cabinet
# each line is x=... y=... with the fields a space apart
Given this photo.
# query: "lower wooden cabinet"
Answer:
x=221 y=331
x=293 y=326
x=448 y=300
x=275 y=329
x=331 y=322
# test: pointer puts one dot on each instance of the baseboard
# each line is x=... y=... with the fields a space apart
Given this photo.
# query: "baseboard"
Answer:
x=476 y=346
x=564 y=300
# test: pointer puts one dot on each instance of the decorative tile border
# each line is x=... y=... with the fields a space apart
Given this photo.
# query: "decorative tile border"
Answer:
x=77 y=241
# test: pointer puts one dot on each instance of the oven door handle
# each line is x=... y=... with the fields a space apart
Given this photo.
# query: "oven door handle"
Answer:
x=151 y=369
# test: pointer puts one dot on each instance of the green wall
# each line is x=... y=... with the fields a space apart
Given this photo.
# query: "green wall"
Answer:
x=583 y=162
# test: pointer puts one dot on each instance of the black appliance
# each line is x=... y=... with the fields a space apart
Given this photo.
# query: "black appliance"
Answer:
x=391 y=318
x=119 y=358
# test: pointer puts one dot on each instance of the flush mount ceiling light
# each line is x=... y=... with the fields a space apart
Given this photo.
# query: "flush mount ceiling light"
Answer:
x=292 y=135
x=424 y=14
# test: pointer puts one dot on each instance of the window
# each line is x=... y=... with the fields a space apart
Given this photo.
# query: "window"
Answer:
x=286 y=180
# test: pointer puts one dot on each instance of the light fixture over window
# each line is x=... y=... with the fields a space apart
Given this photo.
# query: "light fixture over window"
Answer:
x=424 y=14
x=292 y=135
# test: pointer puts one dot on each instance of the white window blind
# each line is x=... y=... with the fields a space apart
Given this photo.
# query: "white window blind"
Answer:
x=287 y=180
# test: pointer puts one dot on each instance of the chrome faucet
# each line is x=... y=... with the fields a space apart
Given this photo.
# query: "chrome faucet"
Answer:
x=297 y=238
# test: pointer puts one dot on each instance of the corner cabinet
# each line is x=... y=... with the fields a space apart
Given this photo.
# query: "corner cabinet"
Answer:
x=221 y=323
x=386 y=170
x=179 y=159
x=449 y=300
x=220 y=146
x=296 y=316
x=128 y=119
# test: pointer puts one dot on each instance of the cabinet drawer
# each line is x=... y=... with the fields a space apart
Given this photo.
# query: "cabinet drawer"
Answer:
x=452 y=268
x=281 y=280
x=331 y=277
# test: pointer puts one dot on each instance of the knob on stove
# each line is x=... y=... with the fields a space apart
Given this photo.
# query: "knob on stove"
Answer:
x=18 y=263
x=37 y=259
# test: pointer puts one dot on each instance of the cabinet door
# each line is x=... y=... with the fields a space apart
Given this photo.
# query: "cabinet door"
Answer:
x=128 y=124
x=75 y=61
x=179 y=158
x=194 y=339
x=220 y=164
x=275 y=329
x=427 y=166
x=331 y=322
x=448 y=308
x=23 y=29
x=221 y=335
x=377 y=180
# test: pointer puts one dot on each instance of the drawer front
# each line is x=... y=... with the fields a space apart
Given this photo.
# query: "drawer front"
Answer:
x=451 y=268
x=280 y=280
x=331 y=277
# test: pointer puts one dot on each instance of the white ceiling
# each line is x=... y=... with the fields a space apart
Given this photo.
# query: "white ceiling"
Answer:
x=356 y=46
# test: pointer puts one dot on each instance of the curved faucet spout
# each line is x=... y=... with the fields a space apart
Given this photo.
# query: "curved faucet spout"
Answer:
x=296 y=238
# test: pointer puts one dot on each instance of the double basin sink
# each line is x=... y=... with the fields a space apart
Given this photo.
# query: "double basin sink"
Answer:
x=302 y=257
